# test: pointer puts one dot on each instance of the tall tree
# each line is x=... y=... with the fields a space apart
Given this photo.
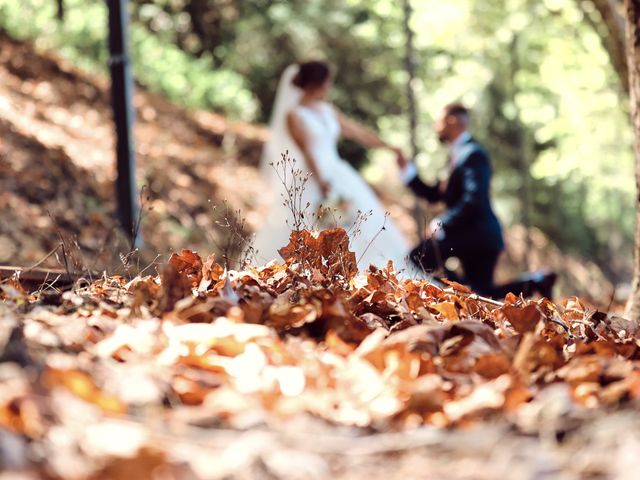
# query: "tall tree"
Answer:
x=521 y=150
x=418 y=210
x=410 y=68
x=632 y=9
x=613 y=36
x=60 y=10
x=622 y=42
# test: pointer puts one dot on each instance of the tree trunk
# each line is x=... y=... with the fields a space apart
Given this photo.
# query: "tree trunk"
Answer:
x=418 y=210
x=521 y=152
x=632 y=9
x=410 y=68
x=614 y=39
x=60 y=10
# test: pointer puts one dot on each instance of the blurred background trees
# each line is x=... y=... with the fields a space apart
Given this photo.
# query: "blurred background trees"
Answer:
x=543 y=78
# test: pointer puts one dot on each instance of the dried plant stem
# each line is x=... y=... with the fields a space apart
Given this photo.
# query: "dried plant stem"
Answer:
x=44 y=259
x=384 y=223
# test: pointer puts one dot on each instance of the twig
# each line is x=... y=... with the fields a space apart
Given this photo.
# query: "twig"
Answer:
x=103 y=247
x=384 y=223
x=62 y=242
x=83 y=264
x=236 y=241
x=51 y=284
x=151 y=264
x=40 y=262
x=135 y=232
x=612 y=299
x=559 y=322
x=479 y=298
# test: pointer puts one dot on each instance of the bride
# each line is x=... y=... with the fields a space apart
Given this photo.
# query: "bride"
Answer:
x=308 y=127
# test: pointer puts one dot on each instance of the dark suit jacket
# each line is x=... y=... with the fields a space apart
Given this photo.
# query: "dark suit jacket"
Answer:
x=469 y=221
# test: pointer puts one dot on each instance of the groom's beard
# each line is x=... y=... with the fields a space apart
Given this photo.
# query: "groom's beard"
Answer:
x=443 y=138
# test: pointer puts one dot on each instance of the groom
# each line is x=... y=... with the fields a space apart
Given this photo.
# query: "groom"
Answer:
x=468 y=229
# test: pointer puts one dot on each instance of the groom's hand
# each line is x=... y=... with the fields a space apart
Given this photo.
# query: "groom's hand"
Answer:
x=400 y=158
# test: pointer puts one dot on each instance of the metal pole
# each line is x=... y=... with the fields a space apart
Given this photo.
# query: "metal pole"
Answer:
x=123 y=115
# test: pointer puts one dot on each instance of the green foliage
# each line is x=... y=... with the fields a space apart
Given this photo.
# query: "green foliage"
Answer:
x=546 y=101
x=193 y=82
x=159 y=64
x=548 y=107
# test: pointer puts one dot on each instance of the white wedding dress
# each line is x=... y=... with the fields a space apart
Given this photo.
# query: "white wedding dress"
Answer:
x=371 y=243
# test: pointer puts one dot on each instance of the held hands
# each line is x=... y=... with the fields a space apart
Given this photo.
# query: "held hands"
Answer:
x=400 y=158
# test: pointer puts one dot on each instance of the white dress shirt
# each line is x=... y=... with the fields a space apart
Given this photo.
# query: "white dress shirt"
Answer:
x=410 y=171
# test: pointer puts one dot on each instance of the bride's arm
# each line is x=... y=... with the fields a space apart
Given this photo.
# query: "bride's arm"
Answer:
x=296 y=129
x=354 y=131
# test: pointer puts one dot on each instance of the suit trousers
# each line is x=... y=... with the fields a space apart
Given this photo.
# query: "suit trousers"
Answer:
x=478 y=267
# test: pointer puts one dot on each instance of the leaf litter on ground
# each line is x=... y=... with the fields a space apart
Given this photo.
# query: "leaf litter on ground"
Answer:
x=199 y=347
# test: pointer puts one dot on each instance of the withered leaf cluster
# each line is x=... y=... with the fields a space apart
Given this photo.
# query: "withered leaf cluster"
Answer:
x=200 y=346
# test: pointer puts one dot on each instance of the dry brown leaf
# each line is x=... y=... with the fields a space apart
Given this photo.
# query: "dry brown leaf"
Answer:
x=82 y=385
x=492 y=365
x=188 y=264
x=524 y=319
x=147 y=463
x=447 y=311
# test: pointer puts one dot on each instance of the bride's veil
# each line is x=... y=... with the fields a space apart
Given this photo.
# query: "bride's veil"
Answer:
x=287 y=96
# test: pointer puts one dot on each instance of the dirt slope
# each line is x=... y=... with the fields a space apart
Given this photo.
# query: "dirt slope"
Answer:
x=56 y=149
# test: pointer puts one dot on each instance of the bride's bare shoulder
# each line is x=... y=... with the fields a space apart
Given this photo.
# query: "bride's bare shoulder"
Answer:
x=295 y=119
x=294 y=114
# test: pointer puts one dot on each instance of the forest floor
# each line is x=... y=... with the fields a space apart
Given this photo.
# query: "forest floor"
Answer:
x=304 y=370
x=58 y=171
x=292 y=371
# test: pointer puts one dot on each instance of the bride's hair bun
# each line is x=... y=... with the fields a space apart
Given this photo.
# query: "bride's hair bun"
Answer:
x=311 y=74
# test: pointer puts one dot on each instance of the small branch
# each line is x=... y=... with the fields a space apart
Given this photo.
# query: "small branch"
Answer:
x=386 y=215
x=62 y=243
x=478 y=298
x=40 y=262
